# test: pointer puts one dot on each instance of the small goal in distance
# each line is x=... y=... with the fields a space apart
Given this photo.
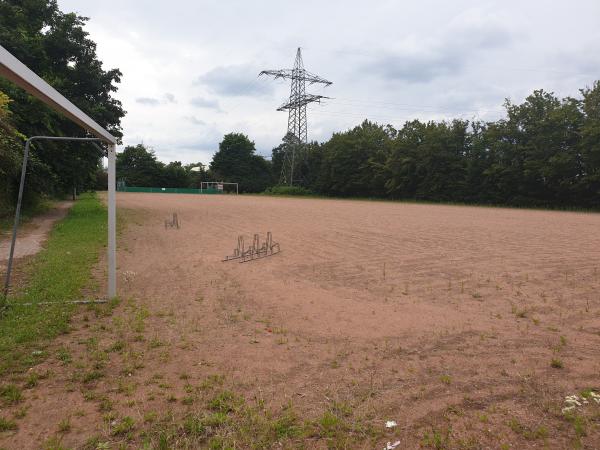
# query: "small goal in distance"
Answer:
x=219 y=187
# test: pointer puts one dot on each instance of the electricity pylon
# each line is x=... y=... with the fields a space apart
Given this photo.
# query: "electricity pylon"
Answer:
x=297 y=125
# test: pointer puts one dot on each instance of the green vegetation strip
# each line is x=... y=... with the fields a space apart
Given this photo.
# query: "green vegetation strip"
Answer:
x=227 y=421
x=58 y=274
x=160 y=190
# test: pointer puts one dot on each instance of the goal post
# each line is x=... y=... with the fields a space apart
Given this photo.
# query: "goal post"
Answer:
x=219 y=187
x=14 y=70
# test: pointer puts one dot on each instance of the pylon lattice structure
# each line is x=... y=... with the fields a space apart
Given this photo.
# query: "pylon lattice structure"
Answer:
x=296 y=107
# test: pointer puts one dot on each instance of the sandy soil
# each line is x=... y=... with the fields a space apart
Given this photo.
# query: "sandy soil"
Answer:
x=438 y=317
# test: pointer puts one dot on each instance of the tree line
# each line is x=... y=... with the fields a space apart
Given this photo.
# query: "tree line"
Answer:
x=55 y=46
x=236 y=161
x=545 y=152
x=138 y=166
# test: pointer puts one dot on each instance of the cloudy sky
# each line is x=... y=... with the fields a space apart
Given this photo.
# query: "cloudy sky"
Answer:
x=190 y=66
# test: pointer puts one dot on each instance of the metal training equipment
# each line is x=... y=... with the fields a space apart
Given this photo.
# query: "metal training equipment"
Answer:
x=172 y=223
x=256 y=251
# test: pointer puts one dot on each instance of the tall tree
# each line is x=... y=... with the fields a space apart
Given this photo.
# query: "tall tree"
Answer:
x=138 y=166
x=588 y=186
x=175 y=175
x=196 y=175
x=9 y=156
x=237 y=162
x=350 y=159
x=56 y=46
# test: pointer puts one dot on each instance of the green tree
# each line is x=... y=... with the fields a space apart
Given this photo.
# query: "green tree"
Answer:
x=11 y=154
x=536 y=151
x=588 y=186
x=175 y=175
x=350 y=163
x=196 y=174
x=56 y=47
x=237 y=162
x=441 y=163
x=10 y=150
x=545 y=152
x=138 y=166
x=401 y=168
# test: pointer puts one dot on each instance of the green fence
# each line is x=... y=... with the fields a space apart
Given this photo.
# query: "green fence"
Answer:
x=168 y=190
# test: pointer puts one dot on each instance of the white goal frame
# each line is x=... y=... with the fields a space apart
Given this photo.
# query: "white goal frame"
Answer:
x=219 y=185
x=17 y=72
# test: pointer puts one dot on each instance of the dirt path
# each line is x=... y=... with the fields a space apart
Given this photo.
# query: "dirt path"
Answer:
x=466 y=326
x=32 y=235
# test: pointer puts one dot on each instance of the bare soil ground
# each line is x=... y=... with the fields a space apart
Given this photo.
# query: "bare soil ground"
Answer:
x=467 y=326
x=30 y=240
x=31 y=236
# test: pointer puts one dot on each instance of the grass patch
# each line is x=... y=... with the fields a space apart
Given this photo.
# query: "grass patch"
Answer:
x=123 y=427
x=64 y=425
x=446 y=379
x=32 y=380
x=7 y=425
x=528 y=433
x=437 y=439
x=225 y=420
x=91 y=376
x=10 y=394
x=212 y=381
x=224 y=402
x=289 y=191
x=556 y=363
x=58 y=274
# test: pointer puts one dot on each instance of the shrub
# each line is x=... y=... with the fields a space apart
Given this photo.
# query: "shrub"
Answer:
x=288 y=190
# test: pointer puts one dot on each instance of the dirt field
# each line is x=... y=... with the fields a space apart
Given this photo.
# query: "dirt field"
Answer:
x=467 y=326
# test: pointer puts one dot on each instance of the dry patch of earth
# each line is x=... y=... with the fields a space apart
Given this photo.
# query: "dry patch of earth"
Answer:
x=466 y=326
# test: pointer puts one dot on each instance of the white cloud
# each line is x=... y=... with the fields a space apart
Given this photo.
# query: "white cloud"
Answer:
x=148 y=101
x=234 y=81
x=190 y=67
x=195 y=120
x=201 y=102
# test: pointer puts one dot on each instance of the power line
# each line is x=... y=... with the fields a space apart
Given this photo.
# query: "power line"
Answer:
x=382 y=118
x=408 y=107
